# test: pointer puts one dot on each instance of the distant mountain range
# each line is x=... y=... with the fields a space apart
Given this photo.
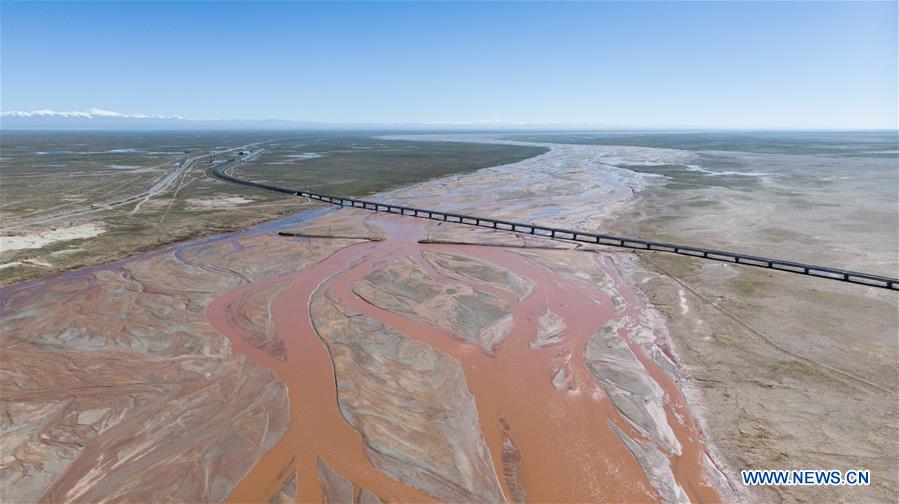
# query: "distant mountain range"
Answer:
x=96 y=118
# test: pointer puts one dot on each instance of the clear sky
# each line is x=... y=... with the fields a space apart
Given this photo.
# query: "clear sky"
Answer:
x=755 y=64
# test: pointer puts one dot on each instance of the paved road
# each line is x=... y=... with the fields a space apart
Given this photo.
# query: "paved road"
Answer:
x=159 y=186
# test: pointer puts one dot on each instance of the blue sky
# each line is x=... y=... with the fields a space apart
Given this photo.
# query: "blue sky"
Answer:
x=758 y=64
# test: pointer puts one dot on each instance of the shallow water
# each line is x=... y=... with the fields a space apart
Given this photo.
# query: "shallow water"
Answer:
x=568 y=453
x=564 y=448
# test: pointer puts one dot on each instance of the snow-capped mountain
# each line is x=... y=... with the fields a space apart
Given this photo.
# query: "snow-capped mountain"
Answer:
x=87 y=114
x=97 y=118
x=92 y=118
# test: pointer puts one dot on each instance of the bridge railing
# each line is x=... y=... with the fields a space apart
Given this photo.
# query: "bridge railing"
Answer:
x=580 y=236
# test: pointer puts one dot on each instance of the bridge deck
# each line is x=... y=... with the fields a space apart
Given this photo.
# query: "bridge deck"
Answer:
x=579 y=236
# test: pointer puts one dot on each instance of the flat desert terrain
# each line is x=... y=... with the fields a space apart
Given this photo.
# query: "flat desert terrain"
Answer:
x=344 y=355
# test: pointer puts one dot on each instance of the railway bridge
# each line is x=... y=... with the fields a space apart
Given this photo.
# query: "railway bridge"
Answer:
x=571 y=235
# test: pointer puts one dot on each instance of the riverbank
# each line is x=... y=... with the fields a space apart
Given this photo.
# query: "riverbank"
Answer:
x=794 y=372
x=75 y=186
x=403 y=377
x=454 y=311
x=766 y=356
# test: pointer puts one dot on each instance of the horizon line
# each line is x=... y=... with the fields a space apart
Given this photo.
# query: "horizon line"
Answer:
x=99 y=114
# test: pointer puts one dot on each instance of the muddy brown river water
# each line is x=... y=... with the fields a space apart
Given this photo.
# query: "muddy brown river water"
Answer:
x=376 y=358
x=558 y=444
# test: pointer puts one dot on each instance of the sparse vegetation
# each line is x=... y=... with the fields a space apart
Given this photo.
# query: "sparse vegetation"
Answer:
x=78 y=169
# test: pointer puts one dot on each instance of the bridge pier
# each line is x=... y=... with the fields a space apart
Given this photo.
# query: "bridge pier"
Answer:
x=791 y=267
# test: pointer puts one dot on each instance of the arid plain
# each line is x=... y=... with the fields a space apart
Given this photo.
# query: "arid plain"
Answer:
x=345 y=355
